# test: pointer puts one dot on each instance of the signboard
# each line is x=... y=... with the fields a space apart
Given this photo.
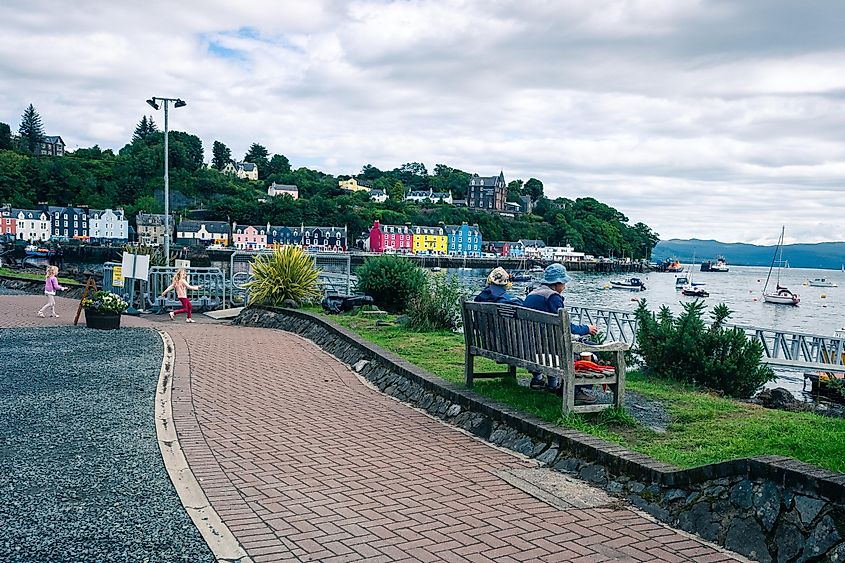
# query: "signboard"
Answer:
x=135 y=266
x=117 y=276
x=182 y=263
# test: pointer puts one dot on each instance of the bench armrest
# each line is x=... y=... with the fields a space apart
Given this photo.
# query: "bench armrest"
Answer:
x=578 y=347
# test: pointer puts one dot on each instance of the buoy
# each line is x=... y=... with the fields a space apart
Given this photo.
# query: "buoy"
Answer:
x=824 y=296
x=606 y=286
x=755 y=299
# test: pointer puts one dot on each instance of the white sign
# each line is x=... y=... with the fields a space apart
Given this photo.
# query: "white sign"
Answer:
x=182 y=263
x=136 y=266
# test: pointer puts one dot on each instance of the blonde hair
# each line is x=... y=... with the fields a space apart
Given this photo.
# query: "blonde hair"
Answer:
x=180 y=275
x=52 y=271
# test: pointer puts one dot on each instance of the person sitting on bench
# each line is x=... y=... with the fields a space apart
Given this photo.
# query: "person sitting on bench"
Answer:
x=498 y=284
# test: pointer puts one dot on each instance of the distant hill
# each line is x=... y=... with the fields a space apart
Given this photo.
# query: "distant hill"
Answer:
x=830 y=255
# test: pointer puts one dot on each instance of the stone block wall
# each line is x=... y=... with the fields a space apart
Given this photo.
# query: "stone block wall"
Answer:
x=767 y=508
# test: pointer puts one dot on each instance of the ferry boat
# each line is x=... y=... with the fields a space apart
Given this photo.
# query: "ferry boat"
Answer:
x=719 y=266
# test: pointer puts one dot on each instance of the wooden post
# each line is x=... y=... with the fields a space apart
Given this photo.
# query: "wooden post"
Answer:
x=89 y=285
x=469 y=359
x=619 y=392
x=567 y=364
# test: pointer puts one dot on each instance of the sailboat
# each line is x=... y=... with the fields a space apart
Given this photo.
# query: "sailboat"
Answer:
x=691 y=288
x=782 y=295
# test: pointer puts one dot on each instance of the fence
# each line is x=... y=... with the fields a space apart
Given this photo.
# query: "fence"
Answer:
x=335 y=273
x=212 y=294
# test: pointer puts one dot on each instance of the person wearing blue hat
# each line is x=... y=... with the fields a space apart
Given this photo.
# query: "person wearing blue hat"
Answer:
x=548 y=298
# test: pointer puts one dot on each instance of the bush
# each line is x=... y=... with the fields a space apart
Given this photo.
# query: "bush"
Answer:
x=286 y=274
x=391 y=281
x=686 y=349
x=440 y=308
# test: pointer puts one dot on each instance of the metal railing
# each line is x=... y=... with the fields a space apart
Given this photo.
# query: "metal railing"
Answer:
x=335 y=276
x=211 y=295
x=780 y=347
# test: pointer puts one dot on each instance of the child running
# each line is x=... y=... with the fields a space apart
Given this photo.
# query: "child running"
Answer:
x=51 y=286
x=181 y=286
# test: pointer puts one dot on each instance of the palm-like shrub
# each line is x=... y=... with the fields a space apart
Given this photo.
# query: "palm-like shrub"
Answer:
x=391 y=281
x=286 y=274
x=685 y=349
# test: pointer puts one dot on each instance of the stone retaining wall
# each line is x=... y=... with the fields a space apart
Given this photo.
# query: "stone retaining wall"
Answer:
x=768 y=508
x=37 y=287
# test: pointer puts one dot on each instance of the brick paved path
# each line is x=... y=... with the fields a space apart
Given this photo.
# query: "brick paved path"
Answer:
x=306 y=463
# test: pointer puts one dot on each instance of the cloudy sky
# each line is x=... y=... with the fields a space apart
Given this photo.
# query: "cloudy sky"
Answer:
x=706 y=119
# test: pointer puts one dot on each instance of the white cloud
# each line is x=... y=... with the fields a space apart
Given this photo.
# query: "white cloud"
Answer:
x=702 y=119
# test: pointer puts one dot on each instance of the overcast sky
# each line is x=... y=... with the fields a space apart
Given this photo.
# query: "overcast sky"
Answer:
x=705 y=119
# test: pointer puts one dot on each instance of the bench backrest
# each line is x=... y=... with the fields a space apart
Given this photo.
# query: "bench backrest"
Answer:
x=524 y=337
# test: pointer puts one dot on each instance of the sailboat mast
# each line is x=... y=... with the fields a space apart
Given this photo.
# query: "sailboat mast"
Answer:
x=772 y=265
x=780 y=260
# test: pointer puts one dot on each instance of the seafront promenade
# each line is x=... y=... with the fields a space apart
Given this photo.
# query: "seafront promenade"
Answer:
x=303 y=461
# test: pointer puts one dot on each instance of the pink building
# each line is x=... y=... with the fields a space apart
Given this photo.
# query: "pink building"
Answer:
x=249 y=238
x=8 y=224
x=390 y=238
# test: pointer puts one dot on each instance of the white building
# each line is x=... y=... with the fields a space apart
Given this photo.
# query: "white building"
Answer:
x=108 y=225
x=378 y=195
x=32 y=225
x=283 y=189
x=434 y=197
x=561 y=254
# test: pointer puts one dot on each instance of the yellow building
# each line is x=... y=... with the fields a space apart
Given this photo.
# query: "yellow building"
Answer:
x=430 y=240
x=354 y=185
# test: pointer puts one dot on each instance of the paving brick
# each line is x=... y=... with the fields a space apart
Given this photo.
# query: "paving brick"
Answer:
x=304 y=461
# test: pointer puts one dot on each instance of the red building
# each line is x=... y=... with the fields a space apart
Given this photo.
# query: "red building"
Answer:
x=8 y=224
x=391 y=238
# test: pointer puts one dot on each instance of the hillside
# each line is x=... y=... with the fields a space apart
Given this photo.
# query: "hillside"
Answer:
x=829 y=255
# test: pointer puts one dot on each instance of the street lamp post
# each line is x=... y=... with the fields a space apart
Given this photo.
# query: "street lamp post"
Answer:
x=177 y=103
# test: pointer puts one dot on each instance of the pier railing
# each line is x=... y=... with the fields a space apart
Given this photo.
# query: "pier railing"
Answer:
x=783 y=348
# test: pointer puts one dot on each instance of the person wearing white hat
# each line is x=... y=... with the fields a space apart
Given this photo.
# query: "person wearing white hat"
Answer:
x=549 y=299
x=498 y=284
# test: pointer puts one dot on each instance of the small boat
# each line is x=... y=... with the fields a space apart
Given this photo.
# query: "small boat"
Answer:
x=821 y=282
x=692 y=291
x=520 y=276
x=719 y=266
x=32 y=250
x=674 y=266
x=536 y=270
x=633 y=284
x=782 y=295
x=436 y=269
x=683 y=280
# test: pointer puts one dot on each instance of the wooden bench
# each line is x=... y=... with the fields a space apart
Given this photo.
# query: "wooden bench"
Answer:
x=539 y=342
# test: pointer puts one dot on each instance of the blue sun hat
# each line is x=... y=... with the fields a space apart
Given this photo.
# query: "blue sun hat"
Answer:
x=555 y=273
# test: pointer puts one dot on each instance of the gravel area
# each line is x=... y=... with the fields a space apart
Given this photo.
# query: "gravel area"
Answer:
x=81 y=475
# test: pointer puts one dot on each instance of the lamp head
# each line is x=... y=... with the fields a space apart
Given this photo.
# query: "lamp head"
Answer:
x=180 y=103
x=152 y=102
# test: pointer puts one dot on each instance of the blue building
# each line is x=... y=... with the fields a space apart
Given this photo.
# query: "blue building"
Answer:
x=68 y=223
x=463 y=240
x=323 y=239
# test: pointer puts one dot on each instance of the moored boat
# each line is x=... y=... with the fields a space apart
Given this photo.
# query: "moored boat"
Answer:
x=821 y=282
x=782 y=295
x=633 y=284
x=520 y=276
x=675 y=266
x=693 y=291
x=719 y=266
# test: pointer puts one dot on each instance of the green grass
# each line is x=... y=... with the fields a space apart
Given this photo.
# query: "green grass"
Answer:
x=6 y=272
x=705 y=428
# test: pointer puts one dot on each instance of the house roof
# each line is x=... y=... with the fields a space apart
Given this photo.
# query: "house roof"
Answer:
x=149 y=219
x=54 y=140
x=247 y=166
x=533 y=242
x=429 y=194
x=190 y=226
x=487 y=181
x=376 y=191
x=284 y=187
x=34 y=212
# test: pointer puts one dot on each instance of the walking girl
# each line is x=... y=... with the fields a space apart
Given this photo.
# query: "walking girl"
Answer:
x=181 y=286
x=51 y=286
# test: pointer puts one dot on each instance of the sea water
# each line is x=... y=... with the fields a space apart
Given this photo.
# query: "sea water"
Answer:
x=821 y=311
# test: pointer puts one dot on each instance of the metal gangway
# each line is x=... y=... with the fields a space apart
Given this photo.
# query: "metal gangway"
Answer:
x=788 y=349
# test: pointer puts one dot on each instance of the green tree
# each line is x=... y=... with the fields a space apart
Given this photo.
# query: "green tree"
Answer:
x=144 y=129
x=397 y=191
x=534 y=188
x=221 y=155
x=257 y=154
x=5 y=137
x=31 y=130
x=279 y=164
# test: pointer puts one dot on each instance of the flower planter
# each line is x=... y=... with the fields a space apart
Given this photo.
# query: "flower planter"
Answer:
x=102 y=321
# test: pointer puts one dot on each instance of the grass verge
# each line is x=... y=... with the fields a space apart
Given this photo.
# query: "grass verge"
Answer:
x=7 y=273
x=705 y=428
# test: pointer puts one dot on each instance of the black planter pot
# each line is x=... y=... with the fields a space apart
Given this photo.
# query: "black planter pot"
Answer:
x=102 y=321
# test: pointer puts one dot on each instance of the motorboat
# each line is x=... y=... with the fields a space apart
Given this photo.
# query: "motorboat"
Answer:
x=782 y=295
x=436 y=269
x=683 y=280
x=40 y=251
x=692 y=291
x=520 y=276
x=719 y=266
x=633 y=284
x=536 y=270
x=821 y=282
x=674 y=266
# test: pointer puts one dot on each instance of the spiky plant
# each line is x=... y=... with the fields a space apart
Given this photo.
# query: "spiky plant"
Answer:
x=286 y=274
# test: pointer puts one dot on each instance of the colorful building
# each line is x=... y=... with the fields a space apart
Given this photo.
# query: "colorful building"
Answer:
x=8 y=224
x=390 y=238
x=68 y=223
x=487 y=192
x=463 y=240
x=319 y=239
x=429 y=240
x=247 y=237
x=31 y=225
x=202 y=232
x=108 y=226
